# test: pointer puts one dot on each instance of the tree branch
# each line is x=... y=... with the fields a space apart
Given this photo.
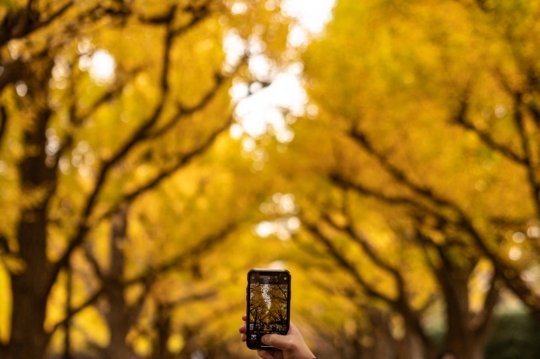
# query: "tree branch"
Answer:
x=535 y=111
x=186 y=111
x=345 y=264
x=361 y=139
x=136 y=308
x=3 y=122
x=4 y=245
x=202 y=247
x=486 y=137
x=183 y=161
x=94 y=264
x=12 y=72
x=361 y=240
x=75 y=311
x=198 y=13
x=379 y=195
x=482 y=4
x=527 y=153
x=26 y=21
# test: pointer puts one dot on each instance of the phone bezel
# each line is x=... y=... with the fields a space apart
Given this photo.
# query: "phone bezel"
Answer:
x=265 y=271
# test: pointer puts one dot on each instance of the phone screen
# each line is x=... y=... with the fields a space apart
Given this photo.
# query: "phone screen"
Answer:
x=269 y=293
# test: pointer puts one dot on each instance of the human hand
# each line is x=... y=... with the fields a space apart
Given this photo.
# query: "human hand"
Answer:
x=292 y=345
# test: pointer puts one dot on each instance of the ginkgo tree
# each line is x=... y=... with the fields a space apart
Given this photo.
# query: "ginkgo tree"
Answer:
x=101 y=102
x=433 y=110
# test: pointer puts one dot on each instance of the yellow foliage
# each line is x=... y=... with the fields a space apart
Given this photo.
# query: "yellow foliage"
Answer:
x=5 y=304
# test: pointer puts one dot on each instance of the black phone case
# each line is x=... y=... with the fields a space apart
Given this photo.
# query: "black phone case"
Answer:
x=249 y=342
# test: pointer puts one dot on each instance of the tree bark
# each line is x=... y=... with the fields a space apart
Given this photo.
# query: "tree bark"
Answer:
x=466 y=332
x=119 y=318
x=29 y=287
x=163 y=328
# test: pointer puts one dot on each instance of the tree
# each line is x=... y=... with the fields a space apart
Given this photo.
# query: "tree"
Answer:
x=409 y=273
x=277 y=311
x=428 y=116
x=258 y=308
x=101 y=102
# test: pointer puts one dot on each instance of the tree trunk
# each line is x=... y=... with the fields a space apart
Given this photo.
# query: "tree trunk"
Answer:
x=119 y=318
x=464 y=335
x=384 y=344
x=163 y=329
x=410 y=346
x=67 y=326
x=28 y=337
x=30 y=287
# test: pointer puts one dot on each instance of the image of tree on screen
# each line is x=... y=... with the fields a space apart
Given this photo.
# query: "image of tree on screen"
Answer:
x=268 y=306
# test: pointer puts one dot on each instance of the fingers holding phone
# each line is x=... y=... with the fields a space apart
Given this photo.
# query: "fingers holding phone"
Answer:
x=290 y=346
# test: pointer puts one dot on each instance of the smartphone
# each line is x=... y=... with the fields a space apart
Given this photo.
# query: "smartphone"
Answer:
x=268 y=305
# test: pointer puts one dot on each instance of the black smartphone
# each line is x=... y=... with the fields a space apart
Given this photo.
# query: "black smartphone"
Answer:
x=268 y=305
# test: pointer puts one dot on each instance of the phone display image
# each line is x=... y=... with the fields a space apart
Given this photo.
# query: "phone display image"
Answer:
x=268 y=305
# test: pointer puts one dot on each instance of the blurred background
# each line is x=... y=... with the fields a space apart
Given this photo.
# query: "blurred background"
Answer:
x=385 y=152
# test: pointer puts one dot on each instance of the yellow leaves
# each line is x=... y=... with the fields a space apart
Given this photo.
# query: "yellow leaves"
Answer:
x=97 y=329
x=142 y=345
x=5 y=304
x=13 y=264
x=175 y=343
x=89 y=324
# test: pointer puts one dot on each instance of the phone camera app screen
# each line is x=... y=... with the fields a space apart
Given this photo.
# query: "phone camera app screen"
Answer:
x=268 y=305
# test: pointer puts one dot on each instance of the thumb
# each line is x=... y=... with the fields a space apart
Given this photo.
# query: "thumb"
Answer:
x=275 y=340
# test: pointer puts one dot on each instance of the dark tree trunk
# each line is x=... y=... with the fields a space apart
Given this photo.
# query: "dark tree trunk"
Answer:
x=384 y=344
x=163 y=330
x=30 y=287
x=467 y=332
x=67 y=326
x=410 y=346
x=119 y=317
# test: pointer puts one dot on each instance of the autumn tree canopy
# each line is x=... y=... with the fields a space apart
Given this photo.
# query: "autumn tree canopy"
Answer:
x=101 y=104
x=428 y=123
